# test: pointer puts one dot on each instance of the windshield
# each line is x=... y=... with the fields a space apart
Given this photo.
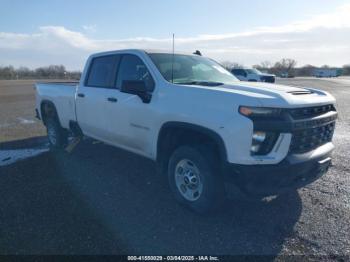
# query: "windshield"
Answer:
x=253 y=71
x=189 y=69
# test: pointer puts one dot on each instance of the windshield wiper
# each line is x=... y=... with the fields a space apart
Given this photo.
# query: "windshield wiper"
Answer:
x=201 y=83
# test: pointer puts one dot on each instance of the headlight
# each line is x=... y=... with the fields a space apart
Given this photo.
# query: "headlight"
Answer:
x=263 y=140
x=249 y=111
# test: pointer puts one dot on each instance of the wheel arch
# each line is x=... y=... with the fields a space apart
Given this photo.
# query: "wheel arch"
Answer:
x=173 y=134
x=48 y=109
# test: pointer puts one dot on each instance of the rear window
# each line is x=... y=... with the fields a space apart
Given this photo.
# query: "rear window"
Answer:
x=102 y=72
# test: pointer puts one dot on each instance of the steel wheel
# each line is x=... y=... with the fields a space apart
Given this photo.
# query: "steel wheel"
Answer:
x=188 y=180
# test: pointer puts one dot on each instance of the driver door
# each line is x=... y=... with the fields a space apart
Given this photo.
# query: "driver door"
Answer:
x=128 y=124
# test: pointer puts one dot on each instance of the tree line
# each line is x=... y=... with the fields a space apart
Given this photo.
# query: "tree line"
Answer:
x=47 y=72
x=284 y=66
x=287 y=66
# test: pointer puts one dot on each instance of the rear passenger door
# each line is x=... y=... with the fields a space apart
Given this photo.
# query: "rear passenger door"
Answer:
x=94 y=95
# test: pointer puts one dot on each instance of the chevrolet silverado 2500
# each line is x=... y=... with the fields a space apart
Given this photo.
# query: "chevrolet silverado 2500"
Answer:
x=200 y=124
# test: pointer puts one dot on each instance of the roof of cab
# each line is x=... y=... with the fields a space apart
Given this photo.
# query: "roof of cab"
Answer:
x=148 y=51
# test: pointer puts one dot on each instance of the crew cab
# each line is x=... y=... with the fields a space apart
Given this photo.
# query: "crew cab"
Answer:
x=199 y=123
x=252 y=75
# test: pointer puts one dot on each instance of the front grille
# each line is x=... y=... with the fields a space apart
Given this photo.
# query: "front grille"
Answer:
x=308 y=139
x=308 y=112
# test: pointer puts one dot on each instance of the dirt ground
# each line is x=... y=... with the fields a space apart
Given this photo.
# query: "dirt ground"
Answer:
x=102 y=200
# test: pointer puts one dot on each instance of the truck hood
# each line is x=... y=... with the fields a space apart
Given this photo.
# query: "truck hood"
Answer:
x=273 y=95
x=265 y=74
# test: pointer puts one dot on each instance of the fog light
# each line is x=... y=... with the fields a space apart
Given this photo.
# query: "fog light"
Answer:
x=259 y=136
x=257 y=140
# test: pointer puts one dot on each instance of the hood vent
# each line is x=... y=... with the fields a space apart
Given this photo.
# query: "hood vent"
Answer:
x=301 y=92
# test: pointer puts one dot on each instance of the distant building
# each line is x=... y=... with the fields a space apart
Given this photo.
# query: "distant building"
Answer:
x=327 y=72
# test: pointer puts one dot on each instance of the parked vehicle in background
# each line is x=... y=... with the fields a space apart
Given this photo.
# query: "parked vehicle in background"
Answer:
x=252 y=75
x=327 y=72
x=286 y=75
x=200 y=124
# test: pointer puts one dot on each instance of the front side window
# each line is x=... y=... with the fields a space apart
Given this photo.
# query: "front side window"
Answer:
x=132 y=68
x=239 y=72
x=102 y=71
x=189 y=69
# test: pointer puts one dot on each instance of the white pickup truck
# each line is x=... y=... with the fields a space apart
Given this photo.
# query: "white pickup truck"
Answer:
x=200 y=124
x=252 y=75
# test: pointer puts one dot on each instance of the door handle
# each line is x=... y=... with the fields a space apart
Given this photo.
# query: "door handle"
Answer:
x=81 y=95
x=112 y=99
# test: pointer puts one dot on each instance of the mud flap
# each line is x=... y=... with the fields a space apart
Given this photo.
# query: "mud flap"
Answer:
x=72 y=144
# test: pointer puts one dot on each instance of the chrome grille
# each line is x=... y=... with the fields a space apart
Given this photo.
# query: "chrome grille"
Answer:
x=308 y=112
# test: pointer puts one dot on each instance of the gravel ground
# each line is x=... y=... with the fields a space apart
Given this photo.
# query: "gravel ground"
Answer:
x=102 y=200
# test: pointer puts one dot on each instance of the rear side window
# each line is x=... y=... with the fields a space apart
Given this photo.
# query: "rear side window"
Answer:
x=102 y=72
x=132 y=68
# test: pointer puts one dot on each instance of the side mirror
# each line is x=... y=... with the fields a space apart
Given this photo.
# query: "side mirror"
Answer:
x=136 y=87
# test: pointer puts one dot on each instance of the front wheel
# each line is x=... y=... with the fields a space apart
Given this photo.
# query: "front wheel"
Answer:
x=195 y=179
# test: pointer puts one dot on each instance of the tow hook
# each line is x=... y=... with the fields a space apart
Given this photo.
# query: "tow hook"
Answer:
x=323 y=165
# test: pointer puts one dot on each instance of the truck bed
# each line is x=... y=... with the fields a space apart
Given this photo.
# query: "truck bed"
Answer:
x=70 y=83
x=62 y=95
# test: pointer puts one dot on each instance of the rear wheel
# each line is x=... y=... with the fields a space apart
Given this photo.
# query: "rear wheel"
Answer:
x=195 y=179
x=56 y=135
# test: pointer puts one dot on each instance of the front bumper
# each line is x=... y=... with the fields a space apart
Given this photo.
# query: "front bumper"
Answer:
x=295 y=171
x=268 y=79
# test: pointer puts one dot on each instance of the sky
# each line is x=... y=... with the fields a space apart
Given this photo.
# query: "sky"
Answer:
x=43 y=32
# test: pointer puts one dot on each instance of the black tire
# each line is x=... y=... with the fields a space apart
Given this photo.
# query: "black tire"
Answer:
x=57 y=136
x=213 y=191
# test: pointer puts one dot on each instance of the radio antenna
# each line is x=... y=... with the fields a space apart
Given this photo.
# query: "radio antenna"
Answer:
x=172 y=60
